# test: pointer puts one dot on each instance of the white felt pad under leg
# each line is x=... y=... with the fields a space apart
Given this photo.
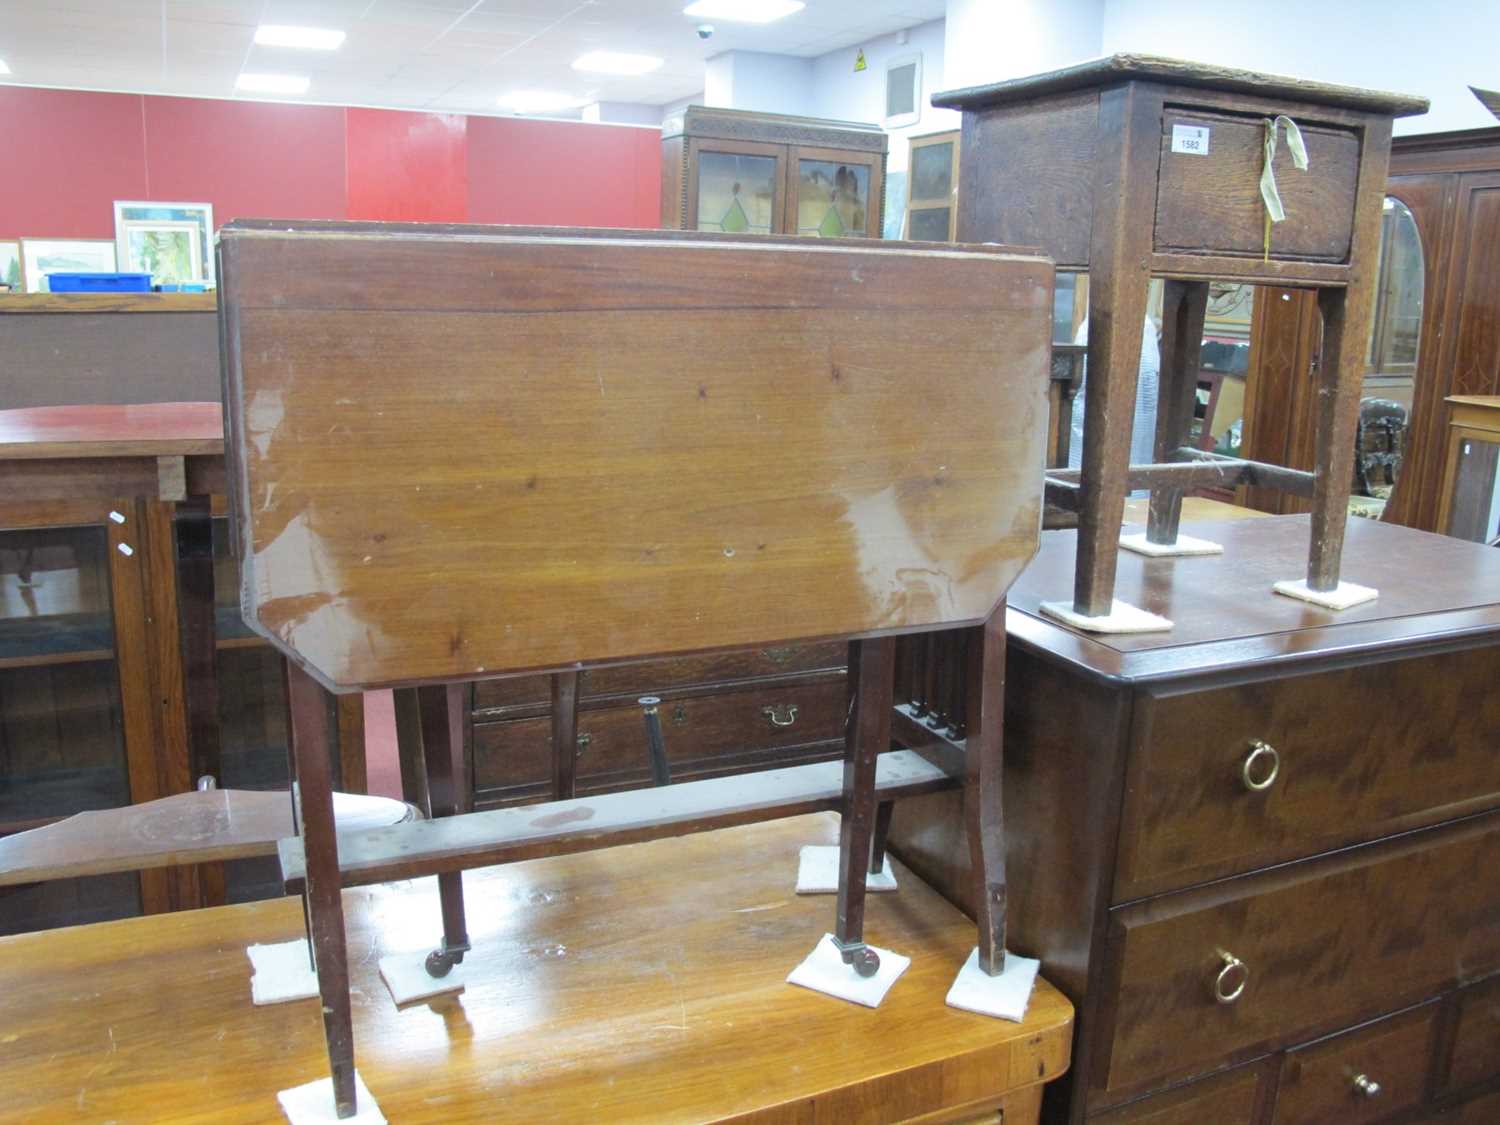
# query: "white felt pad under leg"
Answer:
x=1121 y=618
x=1005 y=996
x=281 y=972
x=312 y=1104
x=405 y=974
x=824 y=971
x=1343 y=596
x=1182 y=546
x=818 y=872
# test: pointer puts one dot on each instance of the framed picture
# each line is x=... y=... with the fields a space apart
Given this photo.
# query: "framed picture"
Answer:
x=10 y=266
x=173 y=242
x=171 y=252
x=41 y=256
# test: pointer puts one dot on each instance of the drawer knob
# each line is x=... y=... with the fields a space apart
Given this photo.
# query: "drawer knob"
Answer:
x=1231 y=980
x=1260 y=767
x=1366 y=1085
x=780 y=715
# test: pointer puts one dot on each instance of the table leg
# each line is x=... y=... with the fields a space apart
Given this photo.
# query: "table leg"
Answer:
x=564 y=735
x=882 y=832
x=1183 y=308
x=983 y=812
x=872 y=674
x=311 y=776
x=441 y=711
x=1340 y=376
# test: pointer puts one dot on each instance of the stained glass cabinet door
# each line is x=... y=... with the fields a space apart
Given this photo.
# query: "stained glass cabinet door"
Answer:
x=736 y=186
x=834 y=194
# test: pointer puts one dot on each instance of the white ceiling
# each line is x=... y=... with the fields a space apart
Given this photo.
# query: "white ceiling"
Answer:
x=421 y=54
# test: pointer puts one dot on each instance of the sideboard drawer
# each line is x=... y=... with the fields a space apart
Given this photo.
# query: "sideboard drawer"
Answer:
x=1360 y=1076
x=1321 y=944
x=1359 y=753
x=653 y=677
x=1476 y=1038
x=1225 y=1099
x=704 y=735
x=1208 y=198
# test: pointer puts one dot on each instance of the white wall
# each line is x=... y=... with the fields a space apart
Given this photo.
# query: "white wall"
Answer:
x=991 y=40
x=760 y=82
x=1433 y=48
x=844 y=95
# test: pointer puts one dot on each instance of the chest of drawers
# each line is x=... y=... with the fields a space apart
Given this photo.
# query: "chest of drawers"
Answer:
x=1259 y=852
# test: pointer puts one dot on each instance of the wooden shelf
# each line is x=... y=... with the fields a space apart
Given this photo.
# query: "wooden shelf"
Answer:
x=108 y=302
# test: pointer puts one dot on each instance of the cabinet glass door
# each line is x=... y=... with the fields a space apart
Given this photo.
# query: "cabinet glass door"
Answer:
x=62 y=733
x=930 y=208
x=737 y=191
x=835 y=197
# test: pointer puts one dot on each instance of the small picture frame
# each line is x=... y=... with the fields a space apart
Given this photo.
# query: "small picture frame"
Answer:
x=10 y=267
x=41 y=256
x=173 y=242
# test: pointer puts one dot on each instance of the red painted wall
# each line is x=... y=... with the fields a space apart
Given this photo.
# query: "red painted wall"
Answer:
x=408 y=166
x=523 y=171
x=262 y=160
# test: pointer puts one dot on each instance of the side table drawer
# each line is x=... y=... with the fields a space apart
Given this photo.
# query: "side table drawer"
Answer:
x=1357 y=754
x=1360 y=1076
x=1317 y=945
x=1208 y=198
x=704 y=735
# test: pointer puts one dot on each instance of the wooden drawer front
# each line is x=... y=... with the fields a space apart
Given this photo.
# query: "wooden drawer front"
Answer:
x=704 y=735
x=1226 y=1099
x=655 y=677
x=1326 y=942
x=1211 y=203
x=1362 y=752
x=1476 y=1038
x=1360 y=1076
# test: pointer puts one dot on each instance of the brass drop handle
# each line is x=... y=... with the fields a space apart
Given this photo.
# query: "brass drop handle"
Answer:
x=1231 y=980
x=780 y=715
x=1260 y=767
x=1364 y=1084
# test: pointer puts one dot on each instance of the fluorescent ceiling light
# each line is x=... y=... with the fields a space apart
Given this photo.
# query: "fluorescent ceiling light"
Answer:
x=613 y=62
x=540 y=101
x=307 y=38
x=272 y=83
x=3 y=68
x=743 y=11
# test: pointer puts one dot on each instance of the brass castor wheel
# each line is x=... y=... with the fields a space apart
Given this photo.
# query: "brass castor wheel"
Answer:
x=439 y=964
x=866 y=962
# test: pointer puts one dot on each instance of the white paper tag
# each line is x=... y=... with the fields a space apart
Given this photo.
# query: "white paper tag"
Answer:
x=1191 y=139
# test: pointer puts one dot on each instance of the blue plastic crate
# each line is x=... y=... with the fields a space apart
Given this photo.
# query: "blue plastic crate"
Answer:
x=99 y=282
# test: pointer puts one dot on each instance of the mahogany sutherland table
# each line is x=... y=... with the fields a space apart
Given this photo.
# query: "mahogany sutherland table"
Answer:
x=461 y=452
x=601 y=991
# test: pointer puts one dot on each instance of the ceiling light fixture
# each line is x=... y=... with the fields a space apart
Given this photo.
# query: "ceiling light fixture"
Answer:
x=272 y=83
x=540 y=101
x=3 y=68
x=304 y=38
x=614 y=62
x=743 y=11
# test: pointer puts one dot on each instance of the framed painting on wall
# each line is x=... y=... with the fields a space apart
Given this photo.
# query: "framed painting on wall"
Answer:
x=173 y=242
x=10 y=266
x=41 y=256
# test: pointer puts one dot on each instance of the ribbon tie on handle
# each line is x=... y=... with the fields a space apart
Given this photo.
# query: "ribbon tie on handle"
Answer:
x=1268 y=193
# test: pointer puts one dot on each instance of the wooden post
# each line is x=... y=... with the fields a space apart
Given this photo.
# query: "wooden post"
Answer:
x=984 y=814
x=564 y=735
x=448 y=793
x=872 y=667
x=1184 y=306
x=311 y=775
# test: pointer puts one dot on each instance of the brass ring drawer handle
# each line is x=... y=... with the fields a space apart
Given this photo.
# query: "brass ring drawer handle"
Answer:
x=780 y=715
x=1232 y=978
x=1366 y=1085
x=1260 y=767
